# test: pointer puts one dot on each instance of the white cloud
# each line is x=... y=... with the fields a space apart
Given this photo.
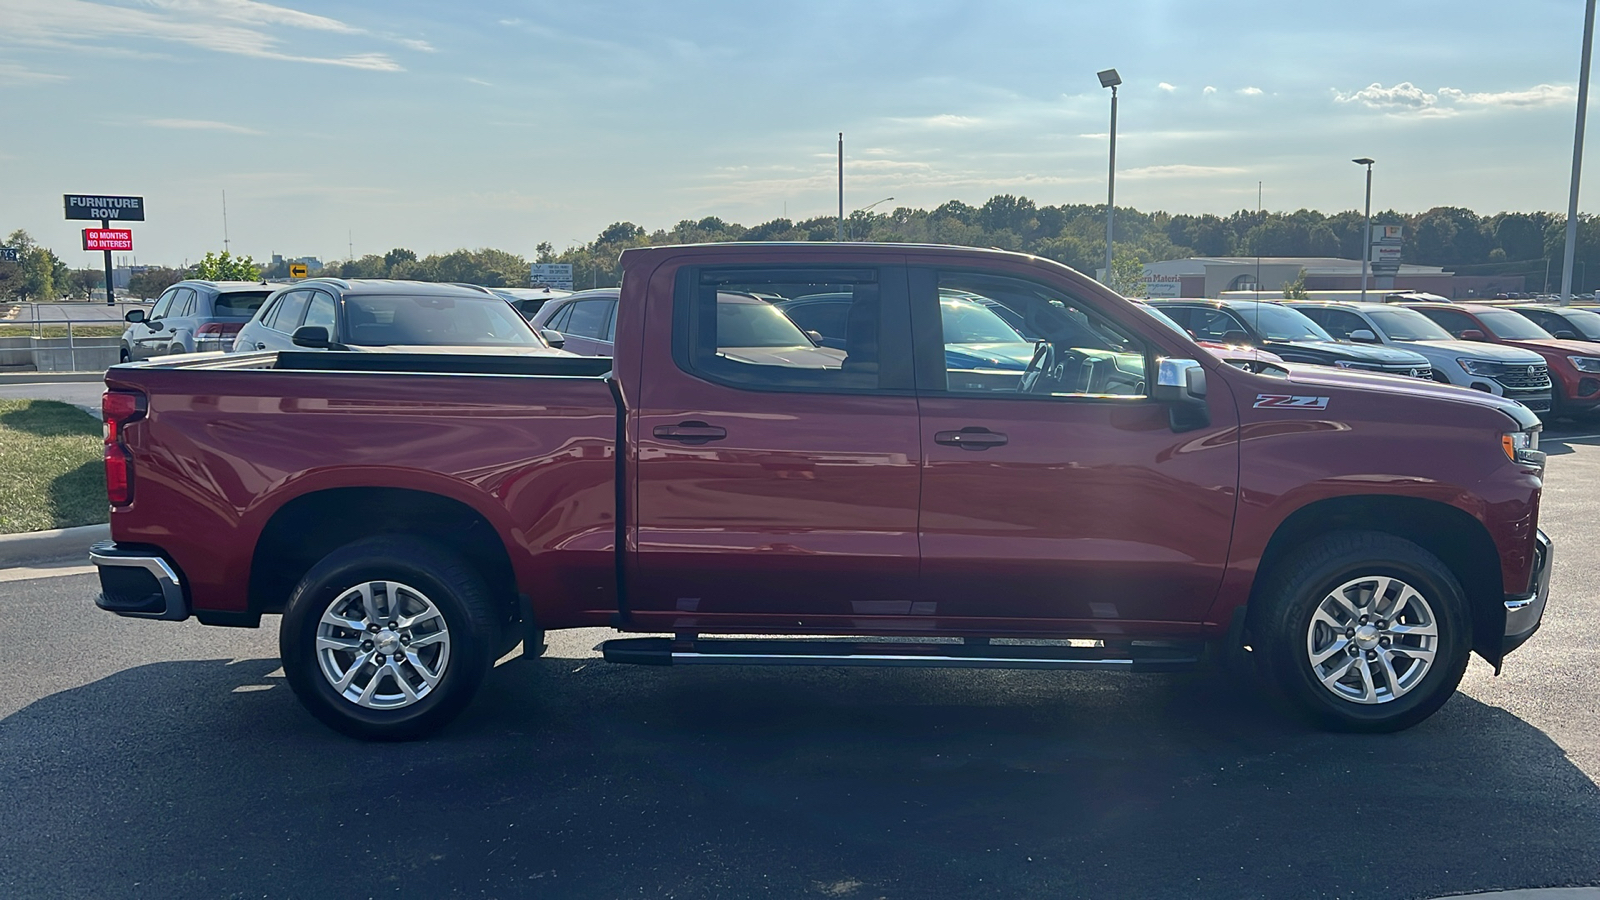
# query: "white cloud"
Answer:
x=15 y=74
x=943 y=120
x=479 y=81
x=1251 y=91
x=1407 y=98
x=1179 y=171
x=1169 y=88
x=1208 y=90
x=200 y=125
x=222 y=26
x=415 y=44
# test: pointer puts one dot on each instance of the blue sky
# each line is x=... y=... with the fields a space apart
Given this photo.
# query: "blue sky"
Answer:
x=442 y=125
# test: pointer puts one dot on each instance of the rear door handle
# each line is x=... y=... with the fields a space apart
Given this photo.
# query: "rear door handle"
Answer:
x=690 y=432
x=970 y=438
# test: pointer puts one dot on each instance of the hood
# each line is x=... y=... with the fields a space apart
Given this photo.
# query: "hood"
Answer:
x=798 y=357
x=1240 y=352
x=1501 y=353
x=1562 y=347
x=473 y=350
x=1373 y=353
x=1008 y=356
x=1312 y=376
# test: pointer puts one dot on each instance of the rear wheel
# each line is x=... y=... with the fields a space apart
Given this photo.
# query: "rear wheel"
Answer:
x=124 y=356
x=388 y=638
x=1363 y=631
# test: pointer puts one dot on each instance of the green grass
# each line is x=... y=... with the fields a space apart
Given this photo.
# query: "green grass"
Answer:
x=51 y=474
x=60 y=331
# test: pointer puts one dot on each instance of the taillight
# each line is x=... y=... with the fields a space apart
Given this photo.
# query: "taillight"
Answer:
x=219 y=329
x=119 y=408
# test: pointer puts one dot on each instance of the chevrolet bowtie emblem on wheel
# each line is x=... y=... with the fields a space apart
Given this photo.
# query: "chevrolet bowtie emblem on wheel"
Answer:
x=1276 y=401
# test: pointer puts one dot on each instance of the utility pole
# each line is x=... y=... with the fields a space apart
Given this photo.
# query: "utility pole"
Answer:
x=839 y=232
x=1109 y=78
x=1366 y=236
x=1577 y=155
x=224 y=221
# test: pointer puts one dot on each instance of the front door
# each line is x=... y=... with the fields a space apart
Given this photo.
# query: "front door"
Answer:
x=1062 y=499
x=148 y=337
x=777 y=478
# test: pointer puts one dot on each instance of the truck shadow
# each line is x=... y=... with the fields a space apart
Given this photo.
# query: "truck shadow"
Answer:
x=569 y=777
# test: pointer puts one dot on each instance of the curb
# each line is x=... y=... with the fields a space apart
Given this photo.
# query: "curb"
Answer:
x=57 y=543
x=1569 y=893
x=50 y=377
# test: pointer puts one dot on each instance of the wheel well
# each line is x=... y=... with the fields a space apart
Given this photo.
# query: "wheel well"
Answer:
x=310 y=527
x=1455 y=537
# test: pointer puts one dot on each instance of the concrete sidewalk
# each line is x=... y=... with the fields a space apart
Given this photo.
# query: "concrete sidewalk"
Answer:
x=56 y=545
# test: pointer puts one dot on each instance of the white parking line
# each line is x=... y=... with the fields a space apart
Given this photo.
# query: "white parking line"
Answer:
x=1571 y=437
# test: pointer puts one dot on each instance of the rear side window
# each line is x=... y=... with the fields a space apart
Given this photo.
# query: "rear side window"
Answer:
x=238 y=304
x=588 y=318
x=730 y=327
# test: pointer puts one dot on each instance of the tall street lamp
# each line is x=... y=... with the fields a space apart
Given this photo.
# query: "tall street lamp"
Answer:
x=840 y=230
x=1110 y=79
x=869 y=206
x=1577 y=156
x=1366 y=235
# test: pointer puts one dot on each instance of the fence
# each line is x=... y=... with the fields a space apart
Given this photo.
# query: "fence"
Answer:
x=73 y=353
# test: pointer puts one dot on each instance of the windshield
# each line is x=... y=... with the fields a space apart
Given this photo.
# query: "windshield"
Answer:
x=1279 y=323
x=1584 y=322
x=969 y=322
x=471 y=321
x=1410 y=325
x=1511 y=326
x=754 y=323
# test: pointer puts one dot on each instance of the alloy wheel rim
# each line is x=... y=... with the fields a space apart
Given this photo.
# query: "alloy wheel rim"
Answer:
x=383 y=645
x=1372 y=640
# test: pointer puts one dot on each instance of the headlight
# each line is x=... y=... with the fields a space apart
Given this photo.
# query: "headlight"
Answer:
x=1480 y=367
x=1585 y=363
x=1522 y=447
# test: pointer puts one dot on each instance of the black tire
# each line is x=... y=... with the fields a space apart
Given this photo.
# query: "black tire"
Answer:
x=1290 y=595
x=124 y=356
x=448 y=581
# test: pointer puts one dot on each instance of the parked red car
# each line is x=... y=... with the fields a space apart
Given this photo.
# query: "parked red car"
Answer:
x=1574 y=365
x=1127 y=500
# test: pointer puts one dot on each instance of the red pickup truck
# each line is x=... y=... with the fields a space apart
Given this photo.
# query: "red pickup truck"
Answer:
x=1121 y=504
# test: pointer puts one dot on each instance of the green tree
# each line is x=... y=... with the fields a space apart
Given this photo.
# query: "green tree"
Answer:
x=1296 y=289
x=152 y=281
x=1127 y=276
x=225 y=267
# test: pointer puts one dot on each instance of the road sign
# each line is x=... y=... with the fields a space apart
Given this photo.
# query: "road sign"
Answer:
x=10 y=254
x=297 y=270
x=117 y=239
x=96 y=206
x=554 y=275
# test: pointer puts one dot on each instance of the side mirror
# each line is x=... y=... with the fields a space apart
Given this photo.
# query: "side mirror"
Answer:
x=1181 y=384
x=1567 y=335
x=133 y=316
x=315 y=337
x=1473 y=334
x=1363 y=336
x=553 y=337
x=816 y=338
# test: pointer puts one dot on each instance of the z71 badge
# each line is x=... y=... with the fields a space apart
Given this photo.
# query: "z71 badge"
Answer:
x=1277 y=401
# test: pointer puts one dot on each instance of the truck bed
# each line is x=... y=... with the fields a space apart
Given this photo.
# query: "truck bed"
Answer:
x=513 y=459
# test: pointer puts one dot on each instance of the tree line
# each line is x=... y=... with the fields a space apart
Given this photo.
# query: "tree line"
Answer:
x=1507 y=243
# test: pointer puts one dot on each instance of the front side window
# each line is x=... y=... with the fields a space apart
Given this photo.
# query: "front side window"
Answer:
x=1454 y=322
x=321 y=312
x=1078 y=353
x=732 y=327
x=164 y=304
x=1408 y=325
x=1337 y=322
x=1585 y=323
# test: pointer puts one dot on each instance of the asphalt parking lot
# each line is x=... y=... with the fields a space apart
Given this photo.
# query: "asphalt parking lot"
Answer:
x=146 y=759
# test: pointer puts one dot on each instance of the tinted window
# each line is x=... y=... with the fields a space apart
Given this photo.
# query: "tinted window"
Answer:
x=1337 y=322
x=558 y=321
x=322 y=312
x=1218 y=325
x=825 y=318
x=286 y=316
x=1080 y=353
x=1408 y=325
x=733 y=330
x=1584 y=322
x=588 y=318
x=238 y=304
x=163 y=304
x=480 y=320
x=1507 y=325
x=1454 y=322
x=183 y=304
x=1280 y=323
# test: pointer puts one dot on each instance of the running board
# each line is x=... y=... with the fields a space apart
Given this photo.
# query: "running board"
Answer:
x=660 y=651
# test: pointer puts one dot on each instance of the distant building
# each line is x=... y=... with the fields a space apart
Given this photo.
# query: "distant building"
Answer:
x=1209 y=276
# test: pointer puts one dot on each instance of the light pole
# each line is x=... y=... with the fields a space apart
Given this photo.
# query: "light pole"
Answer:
x=869 y=206
x=1577 y=155
x=1110 y=79
x=840 y=230
x=1366 y=233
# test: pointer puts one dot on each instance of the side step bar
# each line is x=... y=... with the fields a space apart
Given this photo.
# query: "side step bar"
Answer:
x=660 y=651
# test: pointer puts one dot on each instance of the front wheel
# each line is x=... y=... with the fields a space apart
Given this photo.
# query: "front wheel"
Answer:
x=1363 y=631
x=388 y=638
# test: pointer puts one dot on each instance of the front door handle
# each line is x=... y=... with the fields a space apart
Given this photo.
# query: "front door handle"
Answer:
x=260 y=346
x=690 y=432
x=970 y=438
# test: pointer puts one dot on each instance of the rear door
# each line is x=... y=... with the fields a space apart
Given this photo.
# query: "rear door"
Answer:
x=777 y=480
x=1065 y=500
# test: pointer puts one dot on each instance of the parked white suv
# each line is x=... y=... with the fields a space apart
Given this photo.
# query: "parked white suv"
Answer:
x=1509 y=372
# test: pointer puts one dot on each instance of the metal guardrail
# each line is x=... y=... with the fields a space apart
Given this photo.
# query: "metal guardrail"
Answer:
x=29 y=316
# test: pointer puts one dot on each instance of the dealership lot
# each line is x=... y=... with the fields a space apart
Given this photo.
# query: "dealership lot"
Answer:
x=147 y=759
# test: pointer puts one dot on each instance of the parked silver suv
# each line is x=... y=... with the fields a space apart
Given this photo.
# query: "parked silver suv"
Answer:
x=192 y=317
